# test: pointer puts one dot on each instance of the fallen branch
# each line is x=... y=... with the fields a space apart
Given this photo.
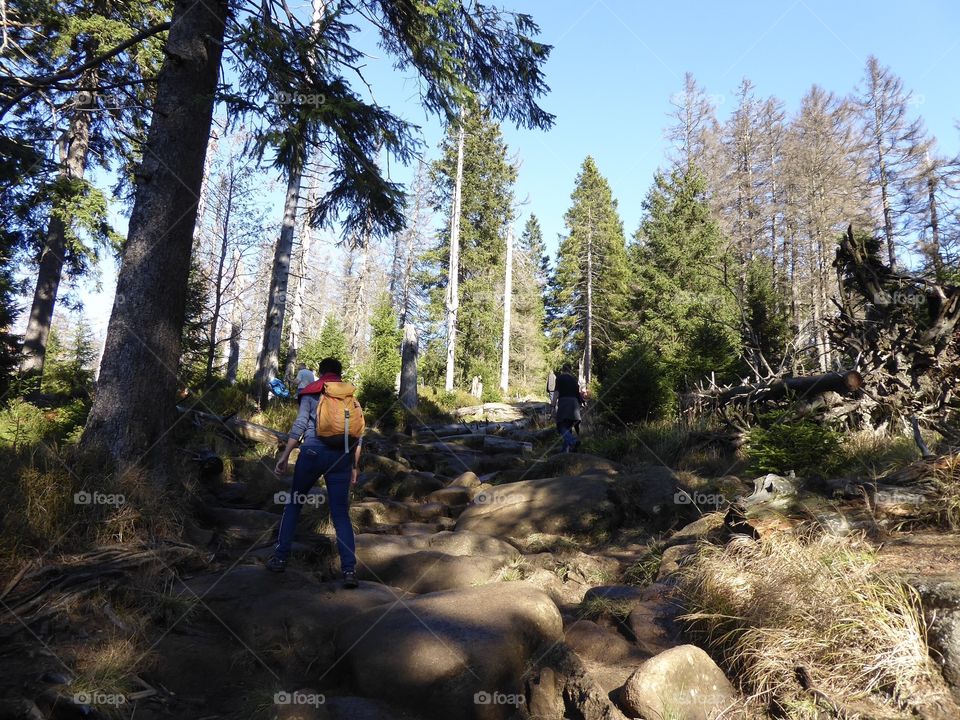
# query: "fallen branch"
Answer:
x=242 y=429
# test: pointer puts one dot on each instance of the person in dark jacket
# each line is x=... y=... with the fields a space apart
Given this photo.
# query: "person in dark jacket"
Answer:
x=567 y=401
x=338 y=468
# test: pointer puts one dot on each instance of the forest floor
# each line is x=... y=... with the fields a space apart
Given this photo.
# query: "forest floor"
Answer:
x=500 y=579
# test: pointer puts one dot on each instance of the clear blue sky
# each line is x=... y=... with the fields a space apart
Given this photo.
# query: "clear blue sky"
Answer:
x=616 y=63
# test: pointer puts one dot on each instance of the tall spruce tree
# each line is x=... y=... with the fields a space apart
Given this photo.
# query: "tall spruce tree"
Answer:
x=528 y=344
x=378 y=377
x=684 y=305
x=96 y=120
x=331 y=342
x=589 y=286
x=486 y=200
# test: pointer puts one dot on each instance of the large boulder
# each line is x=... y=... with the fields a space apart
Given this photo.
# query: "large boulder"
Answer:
x=593 y=642
x=466 y=479
x=428 y=563
x=453 y=495
x=286 y=619
x=940 y=597
x=370 y=462
x=650 y=496
x=565 y=464
x=418 y=485
x=452 y=654
x=429 y=571
x=682 y=683
x=547 y=505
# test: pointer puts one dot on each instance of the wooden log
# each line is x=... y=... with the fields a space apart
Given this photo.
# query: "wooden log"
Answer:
x=490 y=410
x=434 y=431
x=844 y=384
x=243 y=429
x=492 y=443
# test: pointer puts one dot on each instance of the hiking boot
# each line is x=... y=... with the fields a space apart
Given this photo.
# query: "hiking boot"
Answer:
x=275 y=564
x=350 y=580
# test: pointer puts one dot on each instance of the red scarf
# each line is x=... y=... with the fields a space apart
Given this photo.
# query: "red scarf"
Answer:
x=316 y=387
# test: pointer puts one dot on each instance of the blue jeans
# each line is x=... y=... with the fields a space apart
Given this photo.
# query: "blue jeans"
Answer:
x=565 y=428
x=317 y=459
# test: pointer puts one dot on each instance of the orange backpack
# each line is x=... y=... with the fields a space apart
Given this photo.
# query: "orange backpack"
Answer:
x=339 y=415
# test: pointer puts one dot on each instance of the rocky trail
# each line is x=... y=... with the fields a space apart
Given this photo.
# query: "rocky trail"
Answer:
x=495 y=583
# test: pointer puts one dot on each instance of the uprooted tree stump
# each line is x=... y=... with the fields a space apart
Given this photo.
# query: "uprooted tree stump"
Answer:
x=899 y=333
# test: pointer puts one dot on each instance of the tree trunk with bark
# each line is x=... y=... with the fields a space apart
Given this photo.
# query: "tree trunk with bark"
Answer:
x=52 y=257
x=303 y=263
x=408 y=373
x=588 y=330
x=269 y=357
x=453 y=272
x=358 y=303
x=219 y=276
x=507 y=310
x=134 y=408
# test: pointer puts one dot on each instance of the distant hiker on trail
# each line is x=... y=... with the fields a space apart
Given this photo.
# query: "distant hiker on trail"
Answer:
x=568 y=398
x=551 y=386
x=330 y=425
x=304 y=377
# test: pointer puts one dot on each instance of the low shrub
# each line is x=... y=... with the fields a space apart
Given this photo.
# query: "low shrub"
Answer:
x=804 y=446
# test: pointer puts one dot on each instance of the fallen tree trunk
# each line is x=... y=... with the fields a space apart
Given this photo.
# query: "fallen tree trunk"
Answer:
x=795 y=388
x=242 y=429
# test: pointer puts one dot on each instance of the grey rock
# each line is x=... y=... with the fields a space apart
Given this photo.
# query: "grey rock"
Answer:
x=444 y=653
x=682 y=683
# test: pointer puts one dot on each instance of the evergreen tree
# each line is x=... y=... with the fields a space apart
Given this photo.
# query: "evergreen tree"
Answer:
x=193 y=342
x=589 y=286
x=766 y=332
x=92 y=121
x=486 y=199
x=378 y=378
x=71 y=355
x=331 y=342
x=528 y=344
x=684 y=305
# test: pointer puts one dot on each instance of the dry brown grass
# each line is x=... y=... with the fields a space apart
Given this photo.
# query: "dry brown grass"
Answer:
x=946 y=487
x=819 y=603
x=107 y=672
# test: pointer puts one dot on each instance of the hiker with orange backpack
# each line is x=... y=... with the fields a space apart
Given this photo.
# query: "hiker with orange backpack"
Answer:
x=330 y=425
